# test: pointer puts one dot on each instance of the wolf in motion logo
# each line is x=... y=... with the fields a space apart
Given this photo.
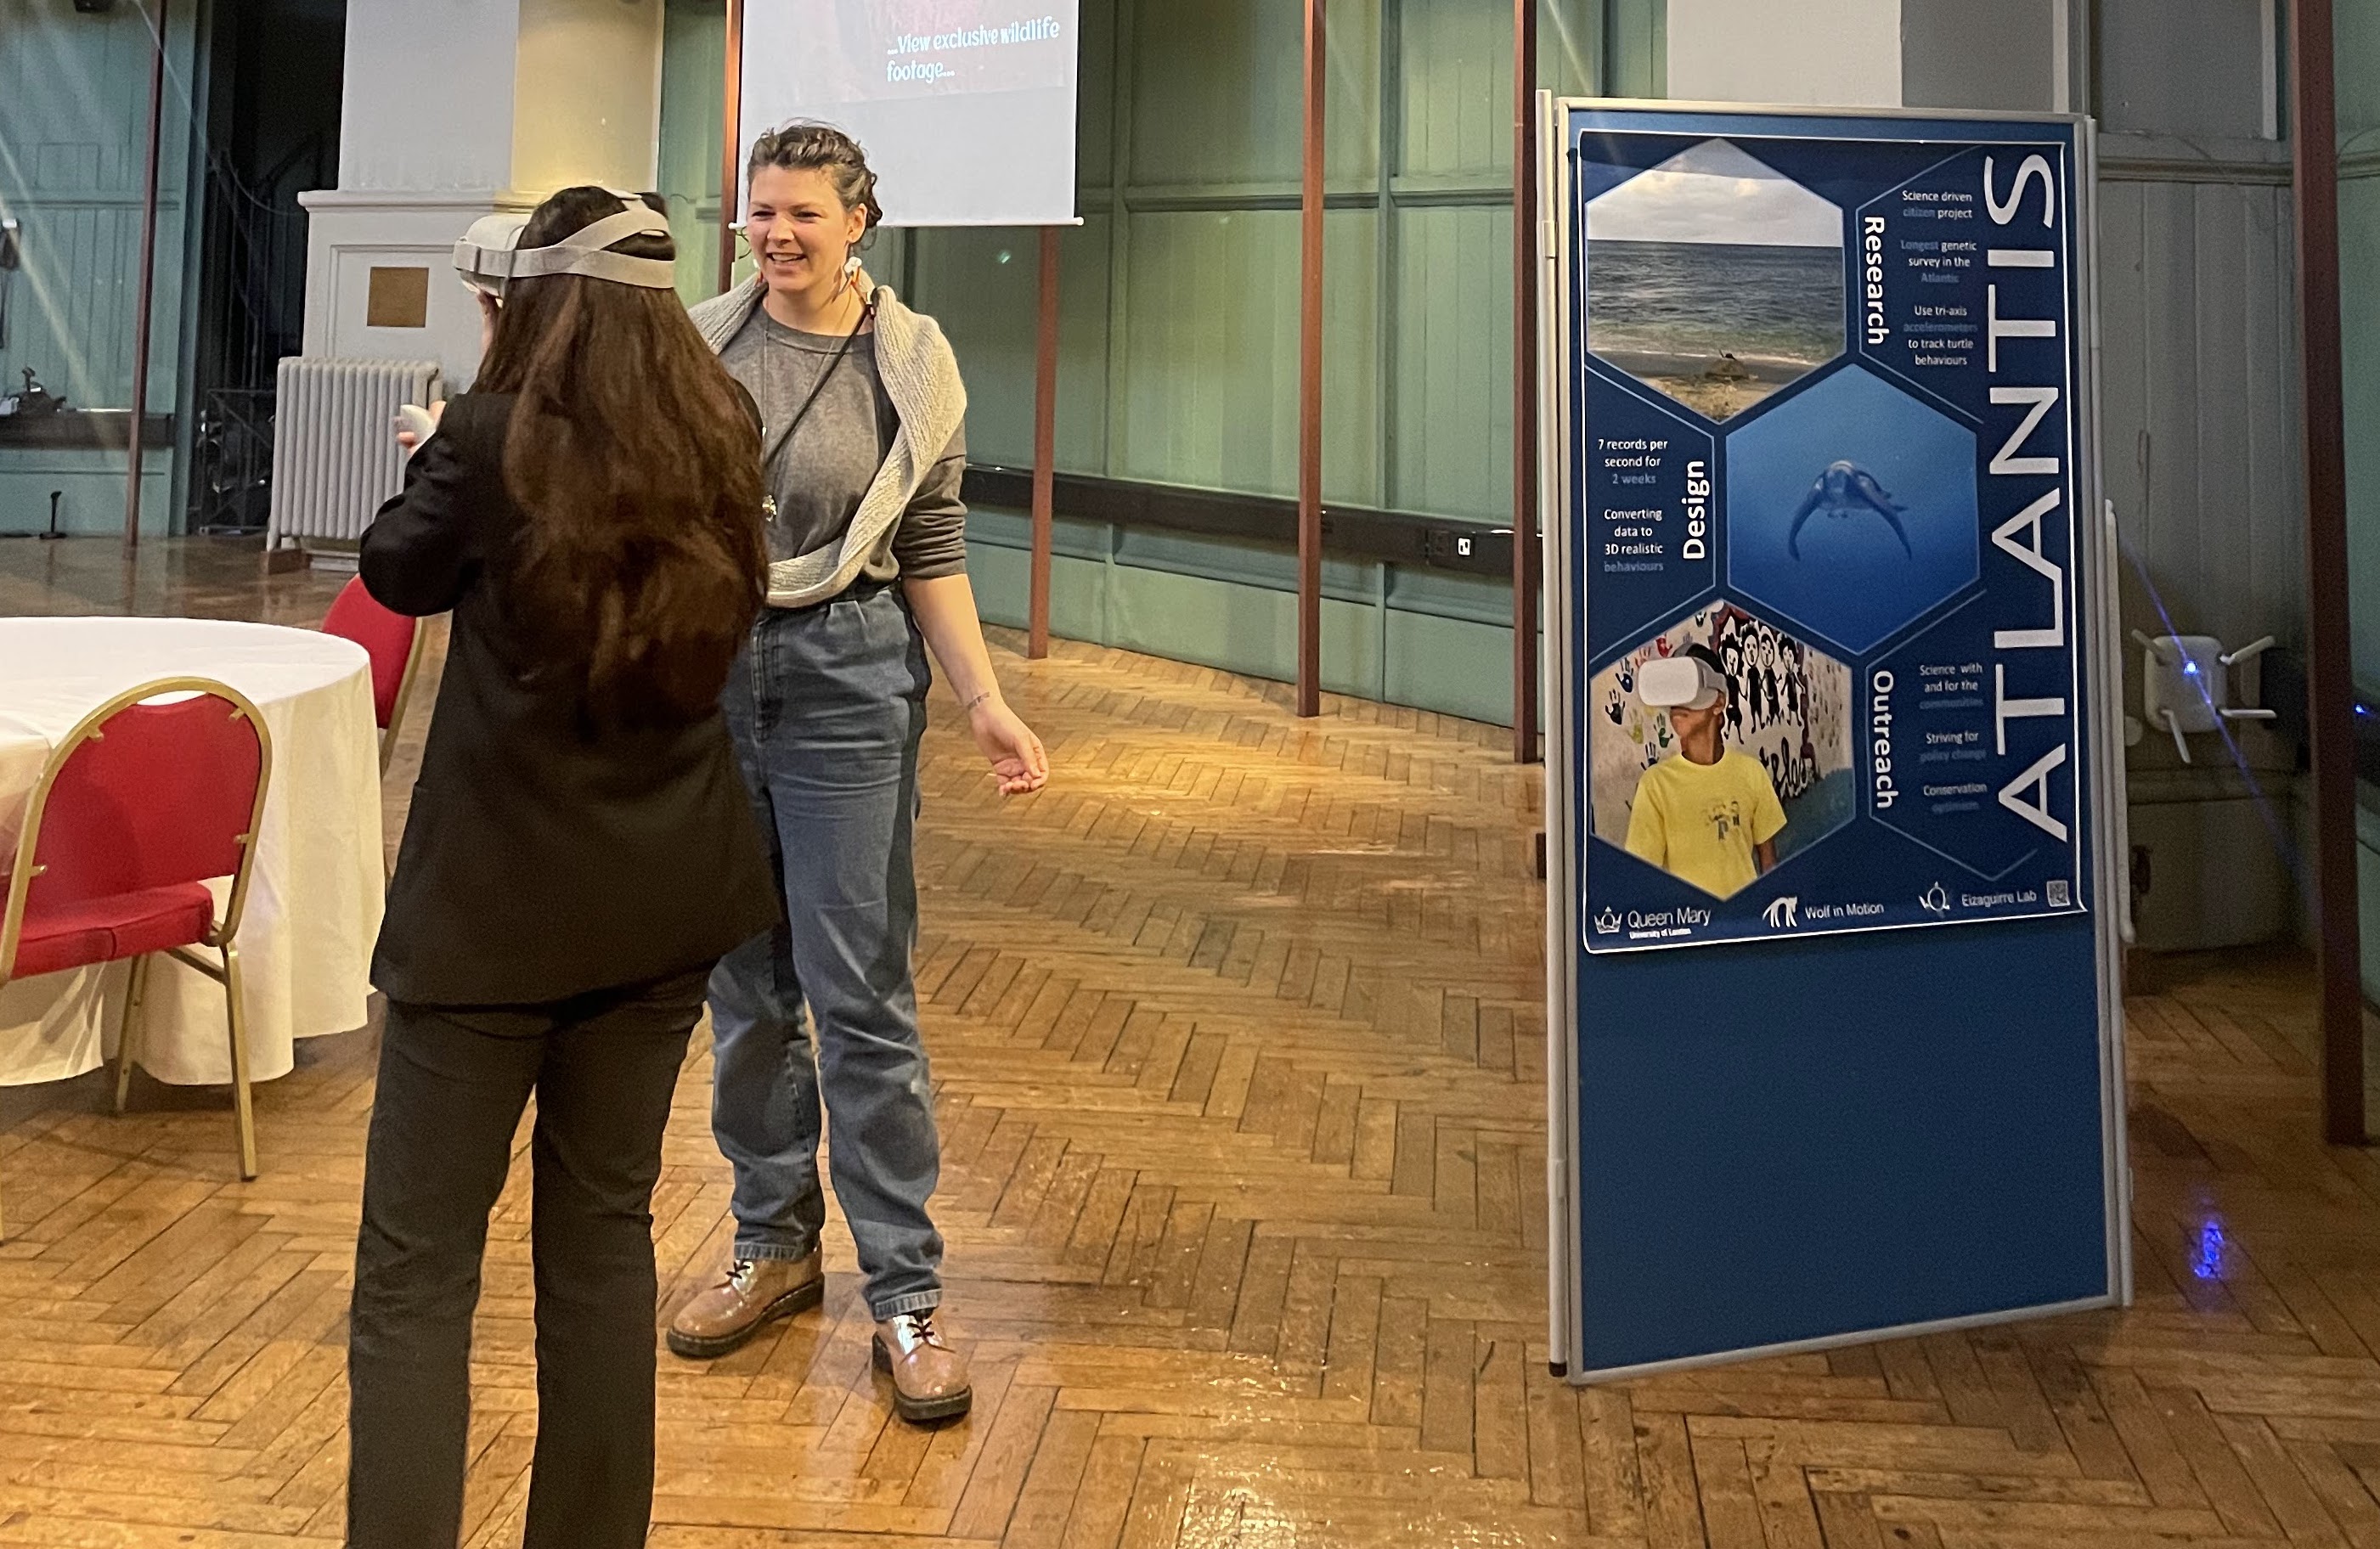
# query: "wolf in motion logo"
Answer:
x=1784 y=914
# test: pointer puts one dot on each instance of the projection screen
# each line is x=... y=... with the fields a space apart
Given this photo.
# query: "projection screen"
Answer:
x=966 y=107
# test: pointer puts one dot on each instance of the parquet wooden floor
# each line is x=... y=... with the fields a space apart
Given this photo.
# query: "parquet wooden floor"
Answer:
x=1237 y=1049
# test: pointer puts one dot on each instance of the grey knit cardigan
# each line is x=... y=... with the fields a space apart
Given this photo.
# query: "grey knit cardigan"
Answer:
x=921 y=377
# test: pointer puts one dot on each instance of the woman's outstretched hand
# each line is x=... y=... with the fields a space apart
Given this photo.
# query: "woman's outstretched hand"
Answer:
x=1016 y=755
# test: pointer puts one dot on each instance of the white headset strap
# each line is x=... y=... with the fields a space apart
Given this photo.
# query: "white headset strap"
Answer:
x=583 y=253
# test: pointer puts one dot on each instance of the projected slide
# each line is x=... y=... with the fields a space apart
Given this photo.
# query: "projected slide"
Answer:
x=966 y=107
x=890 y=49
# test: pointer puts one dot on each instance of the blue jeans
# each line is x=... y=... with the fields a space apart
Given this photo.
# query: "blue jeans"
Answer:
x=827 y=705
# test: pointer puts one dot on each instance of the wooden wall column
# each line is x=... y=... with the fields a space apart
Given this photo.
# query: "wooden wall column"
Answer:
x=1309 y=379
x=1526 y=555
x=1045 y=448
x=2331 y=712
x=145 y=309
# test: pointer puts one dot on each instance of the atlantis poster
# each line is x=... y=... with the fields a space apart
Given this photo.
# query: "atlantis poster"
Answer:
x=1825 y=544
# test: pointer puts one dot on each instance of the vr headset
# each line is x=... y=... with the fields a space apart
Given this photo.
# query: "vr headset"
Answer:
x=490 y=257
x=1680 y=683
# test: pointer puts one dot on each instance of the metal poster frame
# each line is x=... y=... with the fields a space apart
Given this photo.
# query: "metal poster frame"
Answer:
x=1559 y=370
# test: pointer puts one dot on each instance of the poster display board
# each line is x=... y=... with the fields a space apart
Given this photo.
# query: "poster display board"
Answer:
x=1832 y=426
x=1828 y=610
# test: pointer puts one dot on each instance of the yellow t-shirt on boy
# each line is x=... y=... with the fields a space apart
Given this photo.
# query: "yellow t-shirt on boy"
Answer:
x=1701 y=822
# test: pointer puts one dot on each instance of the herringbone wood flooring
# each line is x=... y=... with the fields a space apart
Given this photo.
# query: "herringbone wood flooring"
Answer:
x=1238 y=1052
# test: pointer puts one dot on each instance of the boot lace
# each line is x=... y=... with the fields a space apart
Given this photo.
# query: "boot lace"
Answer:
x=919 y=1328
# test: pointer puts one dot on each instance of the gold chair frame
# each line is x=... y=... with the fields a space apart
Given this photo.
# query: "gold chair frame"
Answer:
x=222 y=937
x=403 y=693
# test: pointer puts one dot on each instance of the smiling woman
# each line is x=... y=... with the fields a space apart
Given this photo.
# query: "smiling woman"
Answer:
x=863 y=447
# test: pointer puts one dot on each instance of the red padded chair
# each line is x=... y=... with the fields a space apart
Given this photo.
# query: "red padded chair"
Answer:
x=392 y=641
x=150 y=797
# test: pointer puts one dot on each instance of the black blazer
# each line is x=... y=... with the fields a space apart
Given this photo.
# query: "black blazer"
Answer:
x=546 y=855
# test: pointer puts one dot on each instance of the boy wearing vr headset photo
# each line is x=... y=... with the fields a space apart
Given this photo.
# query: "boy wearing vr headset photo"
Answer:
x=1708 y=815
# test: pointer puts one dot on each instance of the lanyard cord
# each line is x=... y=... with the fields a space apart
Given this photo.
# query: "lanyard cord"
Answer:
x=867 y=310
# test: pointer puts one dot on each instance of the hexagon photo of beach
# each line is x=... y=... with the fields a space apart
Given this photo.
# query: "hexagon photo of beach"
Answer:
x=1714 y=279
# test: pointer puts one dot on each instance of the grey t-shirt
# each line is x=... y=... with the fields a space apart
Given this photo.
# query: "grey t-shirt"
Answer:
x=822 y=469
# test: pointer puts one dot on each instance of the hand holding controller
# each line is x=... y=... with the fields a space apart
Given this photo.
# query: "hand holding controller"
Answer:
x=416 y=425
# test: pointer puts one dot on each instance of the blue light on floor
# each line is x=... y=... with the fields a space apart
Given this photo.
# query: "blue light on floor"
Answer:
x=2206 y=1259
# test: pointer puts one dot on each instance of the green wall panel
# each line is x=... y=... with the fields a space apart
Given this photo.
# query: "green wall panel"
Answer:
x=90 y=490
x=1217 y=99
x=2359 y=219
x=1434 y=639
x=1077 y=590
x=1209 y=386
x=1238 y=628
x=1445 y=594
x=1450 y=665
x=983 y=286
x=1095 y=117
x=74 y=111
x=2367 y=877
x=1452 y=439
x=694 y=67
x=1456 y=88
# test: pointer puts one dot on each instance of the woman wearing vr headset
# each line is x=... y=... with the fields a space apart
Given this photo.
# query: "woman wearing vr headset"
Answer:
x=864 y=445
x=579 y=854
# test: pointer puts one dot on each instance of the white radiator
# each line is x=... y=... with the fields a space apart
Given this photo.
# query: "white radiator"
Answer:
x=335 y=459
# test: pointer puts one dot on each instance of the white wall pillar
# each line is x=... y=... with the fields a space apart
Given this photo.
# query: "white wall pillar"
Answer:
x=455 y=109
x=2005 y=54
x=1824 y=53
x=588 y=93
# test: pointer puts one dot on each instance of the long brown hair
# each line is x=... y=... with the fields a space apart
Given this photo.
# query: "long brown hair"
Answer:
x=635 y=460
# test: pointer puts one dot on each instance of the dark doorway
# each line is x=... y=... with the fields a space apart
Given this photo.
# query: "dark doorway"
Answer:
x=272 y=133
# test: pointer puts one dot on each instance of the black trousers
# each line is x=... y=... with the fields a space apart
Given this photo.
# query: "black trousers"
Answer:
x=453 y=1084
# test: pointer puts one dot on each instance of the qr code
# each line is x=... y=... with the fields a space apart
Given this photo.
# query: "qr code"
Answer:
x=2061 y=895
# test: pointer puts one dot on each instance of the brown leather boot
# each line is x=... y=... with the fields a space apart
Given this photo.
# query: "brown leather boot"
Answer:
x=929 y=1379
x=753 y=1294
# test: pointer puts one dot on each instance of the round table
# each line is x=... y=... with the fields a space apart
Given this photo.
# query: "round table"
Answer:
x=314 y=906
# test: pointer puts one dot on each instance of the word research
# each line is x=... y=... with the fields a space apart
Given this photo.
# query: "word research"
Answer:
x=2027 y=796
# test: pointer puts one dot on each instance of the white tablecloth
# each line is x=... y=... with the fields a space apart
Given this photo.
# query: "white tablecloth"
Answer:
x=314 y=907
